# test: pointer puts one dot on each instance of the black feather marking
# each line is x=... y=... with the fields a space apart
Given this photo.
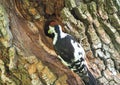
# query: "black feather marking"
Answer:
x=64 y=48
x=81 y=59
x=81 y=68
x=78 y=45
x=74 y=63
x=79 y=53
x=76 y=71
x=91 y=79
x=77 y=66
x=57 y=29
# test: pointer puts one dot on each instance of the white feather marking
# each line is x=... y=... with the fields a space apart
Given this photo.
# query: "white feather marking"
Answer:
x=55 y=39
x=62 y=34
x=65 y=63
x=52 y=29
x=78 y=51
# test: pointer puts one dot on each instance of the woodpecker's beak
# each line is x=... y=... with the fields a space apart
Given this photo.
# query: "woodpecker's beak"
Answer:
x=50 y=31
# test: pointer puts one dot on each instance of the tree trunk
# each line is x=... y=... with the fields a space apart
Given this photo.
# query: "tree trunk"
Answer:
x=27 y=56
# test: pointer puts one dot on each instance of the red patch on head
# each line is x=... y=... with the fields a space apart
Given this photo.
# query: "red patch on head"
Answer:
x=53 y=23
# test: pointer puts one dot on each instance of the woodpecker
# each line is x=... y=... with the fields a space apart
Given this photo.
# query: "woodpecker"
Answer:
x=71 y=53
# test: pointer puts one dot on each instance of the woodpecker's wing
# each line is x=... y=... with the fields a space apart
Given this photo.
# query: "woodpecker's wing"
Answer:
x=65 y=49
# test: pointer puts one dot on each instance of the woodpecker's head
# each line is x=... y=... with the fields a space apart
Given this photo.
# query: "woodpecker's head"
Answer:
x=54 y=28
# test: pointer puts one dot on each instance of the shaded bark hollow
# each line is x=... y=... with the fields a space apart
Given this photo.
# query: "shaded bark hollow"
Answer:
x=27 y=56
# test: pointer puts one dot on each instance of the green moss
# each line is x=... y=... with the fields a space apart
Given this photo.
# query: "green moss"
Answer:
x=117 y=4
x=25 y=79
x=5 y=34
x=5 y=55
x=1 y=83
x=21 y=75
x=111 y=31
x=110 y=7
x=70 y=4
x=26 y=3
x=92 y=9
x=4 y=21
x=115 y=21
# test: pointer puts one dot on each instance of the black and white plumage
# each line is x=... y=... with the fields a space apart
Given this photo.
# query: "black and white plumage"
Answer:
x=71 y=53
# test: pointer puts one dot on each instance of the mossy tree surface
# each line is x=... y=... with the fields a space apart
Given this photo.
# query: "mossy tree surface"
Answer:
x=27 y=56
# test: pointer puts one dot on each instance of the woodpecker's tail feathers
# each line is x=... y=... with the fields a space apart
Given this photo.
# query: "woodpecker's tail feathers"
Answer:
x=92 y=79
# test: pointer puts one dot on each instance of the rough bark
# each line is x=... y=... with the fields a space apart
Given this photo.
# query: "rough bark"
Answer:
x=26 y=53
